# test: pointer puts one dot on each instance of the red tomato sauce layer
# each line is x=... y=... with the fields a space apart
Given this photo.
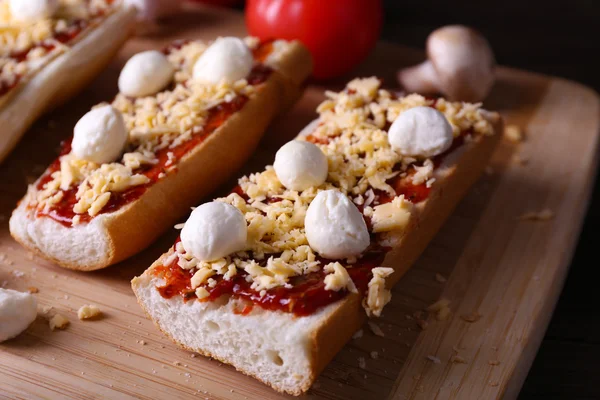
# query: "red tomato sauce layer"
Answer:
x=306 y=295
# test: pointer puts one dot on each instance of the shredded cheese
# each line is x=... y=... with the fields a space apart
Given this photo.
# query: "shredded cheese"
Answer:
x=159 y=122
x=361 y=162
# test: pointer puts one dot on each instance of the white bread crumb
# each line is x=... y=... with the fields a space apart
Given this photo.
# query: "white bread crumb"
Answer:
x=88 y=312
x=59 y=321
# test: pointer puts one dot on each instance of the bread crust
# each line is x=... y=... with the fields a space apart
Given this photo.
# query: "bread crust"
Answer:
x=62 y=76
x=459 y=170
x=136 y=225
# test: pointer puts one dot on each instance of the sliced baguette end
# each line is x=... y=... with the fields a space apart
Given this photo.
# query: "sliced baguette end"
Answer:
x=275 y=348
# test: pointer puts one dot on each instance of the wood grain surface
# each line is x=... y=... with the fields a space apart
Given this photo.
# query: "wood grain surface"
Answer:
x=507 y=271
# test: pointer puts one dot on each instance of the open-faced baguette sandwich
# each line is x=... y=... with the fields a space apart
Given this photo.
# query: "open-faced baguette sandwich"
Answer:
x=184 y=120
x=49 y=50
x=273 y=278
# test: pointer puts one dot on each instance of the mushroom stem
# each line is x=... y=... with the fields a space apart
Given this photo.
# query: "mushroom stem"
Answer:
x=421 y=78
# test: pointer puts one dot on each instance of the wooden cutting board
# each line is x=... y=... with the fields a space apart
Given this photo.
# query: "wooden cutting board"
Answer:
x=507 y=271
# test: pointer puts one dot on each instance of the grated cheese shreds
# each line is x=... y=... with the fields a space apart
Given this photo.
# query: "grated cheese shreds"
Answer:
x=25 y=47
x=162 y=121
x=352 y=135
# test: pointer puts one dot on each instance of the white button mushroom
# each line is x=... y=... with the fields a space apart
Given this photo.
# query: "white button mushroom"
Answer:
x=460 y=65
x=334 y=227
x=421 y=132
x=300 y=165
x=32 y=10
x=145 y=73
x=100 y=135
x=227 y=59
x=17 y=311
x=214 y=230
x=150 y=10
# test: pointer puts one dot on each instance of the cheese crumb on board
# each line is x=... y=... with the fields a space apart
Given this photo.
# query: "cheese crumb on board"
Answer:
x=514 y=133
x=59 y=322
x=544 y=215
x=88 y=312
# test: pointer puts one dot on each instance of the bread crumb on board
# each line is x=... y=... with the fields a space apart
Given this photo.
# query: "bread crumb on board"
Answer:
x=521 y=160
x=545 y=215
x=89 y=311
x=58 y=321
x=441 y=309
x=33 y=289
x=473 y=317
x=362 y=363
x=374 y=355
x=434 y=359
x=456 y=359
x=440 y=278
x=375 y=329
x=514 y=133
x=358 y=334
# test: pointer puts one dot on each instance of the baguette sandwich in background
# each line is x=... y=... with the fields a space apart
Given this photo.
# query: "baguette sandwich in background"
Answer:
x=49 y=51
x=308 y=248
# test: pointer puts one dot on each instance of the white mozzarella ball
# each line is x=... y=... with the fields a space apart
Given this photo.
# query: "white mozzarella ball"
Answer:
x=17 y=311
x=227 y=59
x=100 y=135
x=300 y=165
x=32 y=10
x=214 y=230
x=421 y=132
x=334 y=227
x=145 y=74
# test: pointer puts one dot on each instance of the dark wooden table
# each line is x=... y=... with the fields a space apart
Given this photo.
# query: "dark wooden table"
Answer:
x=560 y=38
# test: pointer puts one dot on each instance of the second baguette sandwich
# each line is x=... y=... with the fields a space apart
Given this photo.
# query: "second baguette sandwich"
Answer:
x=183 y=122
x=305 y=247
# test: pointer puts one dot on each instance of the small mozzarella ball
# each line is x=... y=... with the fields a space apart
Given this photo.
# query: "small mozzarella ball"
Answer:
x=214 y=230
x=300 y=165
x=227 y=59
x=17 y=312
x=145 y=73
x=100 y=135
x=421 y=132
x=334 y=227
x=32 y=10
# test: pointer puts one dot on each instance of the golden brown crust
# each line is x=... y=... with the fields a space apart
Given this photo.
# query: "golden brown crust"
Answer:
x=135 y=226
x=76 y=82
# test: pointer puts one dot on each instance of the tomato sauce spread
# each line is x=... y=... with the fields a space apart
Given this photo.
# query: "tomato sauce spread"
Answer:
x=306 y=295
x=217 y=115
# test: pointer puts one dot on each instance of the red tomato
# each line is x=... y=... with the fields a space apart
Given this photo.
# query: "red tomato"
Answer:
x=221 y=3
x=338 y=33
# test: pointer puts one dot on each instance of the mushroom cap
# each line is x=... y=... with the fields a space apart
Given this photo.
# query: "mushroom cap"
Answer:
x=464 y=62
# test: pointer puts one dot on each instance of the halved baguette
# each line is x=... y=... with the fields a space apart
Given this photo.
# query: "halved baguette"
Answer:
x=63 y=76
x=114 y=236
x=285 y=351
